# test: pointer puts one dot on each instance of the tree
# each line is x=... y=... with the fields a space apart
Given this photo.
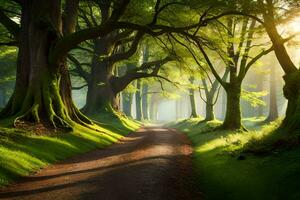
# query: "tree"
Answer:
x=273 y=109
x=237 y=60
x=270 y=14
x=45 y=36
x=192 y=99
x=291 y=89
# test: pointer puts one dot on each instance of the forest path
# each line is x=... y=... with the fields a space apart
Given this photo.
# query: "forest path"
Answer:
x=150 y=164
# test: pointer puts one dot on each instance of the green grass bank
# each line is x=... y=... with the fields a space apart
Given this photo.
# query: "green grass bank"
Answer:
x=243 y=165
x=23 y=152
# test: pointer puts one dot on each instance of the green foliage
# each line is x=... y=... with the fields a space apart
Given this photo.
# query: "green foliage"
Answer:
x=254 y=98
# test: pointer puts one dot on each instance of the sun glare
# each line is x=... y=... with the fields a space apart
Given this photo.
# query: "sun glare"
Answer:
x=294 y=26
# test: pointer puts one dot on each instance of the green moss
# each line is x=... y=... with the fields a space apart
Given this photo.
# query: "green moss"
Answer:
x=22 y=153
x=225 y=171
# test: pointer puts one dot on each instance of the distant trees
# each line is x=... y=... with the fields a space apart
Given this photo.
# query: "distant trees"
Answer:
x=273 y=108
x=192 y=99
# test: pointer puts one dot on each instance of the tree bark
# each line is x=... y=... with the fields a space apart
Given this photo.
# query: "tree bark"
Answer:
x=291 y=78
x=192 y=100
x=210 y=116
x=138 y=101
x=43 y=90
x=100 y=95
x=145 y=106
x=127 y=103
x=273 y=108
x=233 y=111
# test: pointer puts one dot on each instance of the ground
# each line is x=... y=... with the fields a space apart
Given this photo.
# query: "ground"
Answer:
x=235 y=165
x=153 y=163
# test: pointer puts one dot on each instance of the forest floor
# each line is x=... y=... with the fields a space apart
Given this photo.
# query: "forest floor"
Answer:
x=152 y=163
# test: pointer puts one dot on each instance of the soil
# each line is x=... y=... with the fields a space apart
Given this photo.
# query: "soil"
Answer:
x=150 y=164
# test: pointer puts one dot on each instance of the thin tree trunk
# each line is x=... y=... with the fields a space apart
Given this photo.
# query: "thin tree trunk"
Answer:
x=127 y=103
x=273 y=108
x=145 y=103
x=138 y=101
x=192 y=100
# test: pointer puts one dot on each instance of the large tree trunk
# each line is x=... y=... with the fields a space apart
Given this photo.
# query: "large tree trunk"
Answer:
x=291 y=89
x=233 y=110
x=43 y=90
x=100 y=95
x=273 y=109
x=138 y=100
x=292 y=92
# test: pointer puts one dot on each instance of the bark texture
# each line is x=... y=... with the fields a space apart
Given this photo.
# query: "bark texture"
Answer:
x=43 y=90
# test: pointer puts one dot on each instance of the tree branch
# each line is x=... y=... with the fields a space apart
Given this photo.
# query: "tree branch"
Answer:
x=80 y=71
x=79 y=87
x=9 y=24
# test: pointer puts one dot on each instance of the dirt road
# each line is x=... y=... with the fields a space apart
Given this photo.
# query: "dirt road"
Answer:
x=151 y=164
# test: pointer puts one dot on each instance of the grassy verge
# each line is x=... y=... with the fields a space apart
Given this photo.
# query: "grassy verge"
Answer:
x=22 y=153
x=226 y=171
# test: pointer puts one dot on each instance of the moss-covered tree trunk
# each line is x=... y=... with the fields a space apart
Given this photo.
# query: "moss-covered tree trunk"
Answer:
x=100 y=95
x=43 y=90
x=233 y=111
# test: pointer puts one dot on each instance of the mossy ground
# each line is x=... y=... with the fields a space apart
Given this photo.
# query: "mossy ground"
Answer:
x=227 y=168
x=23 y=152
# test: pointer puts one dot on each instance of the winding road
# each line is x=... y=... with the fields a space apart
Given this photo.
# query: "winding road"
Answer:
x=150 y=164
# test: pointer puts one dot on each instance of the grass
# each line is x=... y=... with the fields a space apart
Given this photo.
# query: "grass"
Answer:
x=226 y=171
x=22 y=153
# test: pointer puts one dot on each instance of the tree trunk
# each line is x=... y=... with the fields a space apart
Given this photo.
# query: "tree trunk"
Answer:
x=233 y=110
x=192 y=100
x=138 y=101
x=292 y=92
x=100 y=95
x=127 y=103
x=210 y=116
x=273 y=109
x=43 y=90
x=193 y=103
x=145 y=106
x=291 y=89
